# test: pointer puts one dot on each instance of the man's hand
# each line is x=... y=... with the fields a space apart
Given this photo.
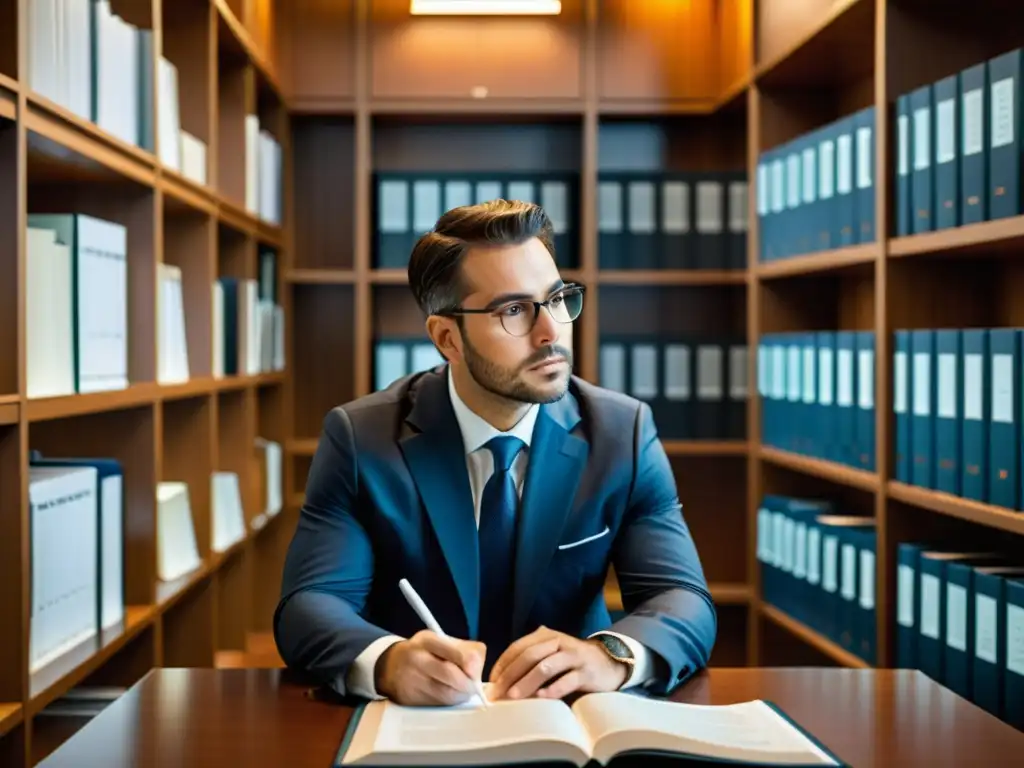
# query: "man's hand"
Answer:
x=429 y=670
x=551 y=665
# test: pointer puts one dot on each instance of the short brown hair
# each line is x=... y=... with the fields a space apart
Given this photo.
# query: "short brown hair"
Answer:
x=434 y=274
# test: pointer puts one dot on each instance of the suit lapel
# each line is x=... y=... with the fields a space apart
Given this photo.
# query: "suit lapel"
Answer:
x=557 y=458
x=436 y=459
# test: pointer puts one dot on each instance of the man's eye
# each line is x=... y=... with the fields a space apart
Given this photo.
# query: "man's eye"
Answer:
x=512 y=309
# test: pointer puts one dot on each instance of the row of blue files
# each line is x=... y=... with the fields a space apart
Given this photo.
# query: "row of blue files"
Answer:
x=960 y=620
x=672 y=220
x=408 y=204
x=817 y=391
x=696 y=386
x=957 y=411
x=958 y=148
x=817 y=192
x=818 y=566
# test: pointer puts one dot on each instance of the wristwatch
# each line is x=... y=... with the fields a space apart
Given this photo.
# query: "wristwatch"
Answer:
x=618 y=650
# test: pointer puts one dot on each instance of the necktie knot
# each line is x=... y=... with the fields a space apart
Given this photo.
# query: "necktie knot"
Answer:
x=504 y=448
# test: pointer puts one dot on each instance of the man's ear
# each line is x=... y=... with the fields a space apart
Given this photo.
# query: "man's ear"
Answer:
x=444 y=332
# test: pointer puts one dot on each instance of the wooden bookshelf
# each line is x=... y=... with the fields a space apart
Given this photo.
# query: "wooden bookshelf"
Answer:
x=816 y=61
x=53 y=160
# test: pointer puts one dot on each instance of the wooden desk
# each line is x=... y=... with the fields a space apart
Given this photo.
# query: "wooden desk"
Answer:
x=256 y=717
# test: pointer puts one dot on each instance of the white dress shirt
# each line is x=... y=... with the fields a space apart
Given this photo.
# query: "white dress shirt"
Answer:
x=476 y=432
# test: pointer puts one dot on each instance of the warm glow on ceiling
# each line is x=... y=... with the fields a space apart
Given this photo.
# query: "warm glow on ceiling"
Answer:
x=485 y=7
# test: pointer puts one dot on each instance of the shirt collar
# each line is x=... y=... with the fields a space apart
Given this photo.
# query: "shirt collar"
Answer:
x=476 y=431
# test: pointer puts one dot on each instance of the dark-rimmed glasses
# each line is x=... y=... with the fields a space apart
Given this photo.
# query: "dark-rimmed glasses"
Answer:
x=519 y=317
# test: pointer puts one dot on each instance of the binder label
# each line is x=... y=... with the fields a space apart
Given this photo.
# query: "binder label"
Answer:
x=738 y=206
x=1015 y=639
x=864 y=158
x=675 y=207
x=738 y=372
x=828 y=558
x=709 y=207
x=972 y=387
x=793 y=180
x=922 y=384
x=985 y=628
x=426 y=205
x=554 y=199
x=945 y=132
x=814 y=555
x=457 y=194
x=800 y=555
x=899 y=387
x=1002 y=112
x=677 y=372
x=641 y=208
x=778 y=186
x=946 y=405
x=825 y=376
x=394 y=208
x=844 y=389
x=867 y=579
x=905 y=596
x=762 y=190
x=903 y=145
x=609 y=207
x=709 y=373
x=844 y=170
x=809 y=392
x=956 y=617
x=810 y=175
x=849 y=585
x=973 y=141
x=827 y=167
x=1002 y=389
x=929 y=606
x=866 y=379
x=922 y=138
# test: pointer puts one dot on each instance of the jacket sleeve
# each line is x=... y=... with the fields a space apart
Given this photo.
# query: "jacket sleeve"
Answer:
x=329 y=567
x=668 y=605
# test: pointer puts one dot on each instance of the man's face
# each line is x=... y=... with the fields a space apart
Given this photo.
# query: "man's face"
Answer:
x=534 y=367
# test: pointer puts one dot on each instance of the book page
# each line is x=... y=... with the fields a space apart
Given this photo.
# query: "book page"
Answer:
x=468 y=733
x=751 y=731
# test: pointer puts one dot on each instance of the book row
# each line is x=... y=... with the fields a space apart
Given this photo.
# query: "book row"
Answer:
x=78 y=535
x=77 y=327
x=817 y=391
x=958 y=412
x=958 y=148
x=666 y=220
x=696 y=388
x=960 y=620
x=817 y=192
x=818 y=566
x=86 y=58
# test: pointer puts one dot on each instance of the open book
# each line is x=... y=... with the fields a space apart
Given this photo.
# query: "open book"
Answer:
x=597 y=728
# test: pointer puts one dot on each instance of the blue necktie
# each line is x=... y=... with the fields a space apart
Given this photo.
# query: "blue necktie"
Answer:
x=498 y=505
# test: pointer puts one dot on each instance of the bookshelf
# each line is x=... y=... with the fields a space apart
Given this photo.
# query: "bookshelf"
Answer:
x=190 y=214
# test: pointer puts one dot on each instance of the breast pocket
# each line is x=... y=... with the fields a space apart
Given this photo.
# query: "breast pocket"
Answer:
x=582 y=554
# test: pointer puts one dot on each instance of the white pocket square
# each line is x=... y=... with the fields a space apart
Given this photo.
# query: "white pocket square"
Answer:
x=572 y=544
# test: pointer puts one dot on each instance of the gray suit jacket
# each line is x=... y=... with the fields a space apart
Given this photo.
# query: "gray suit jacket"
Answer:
x=388 y=497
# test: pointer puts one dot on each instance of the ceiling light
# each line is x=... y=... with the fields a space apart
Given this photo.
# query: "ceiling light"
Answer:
x=485 y=7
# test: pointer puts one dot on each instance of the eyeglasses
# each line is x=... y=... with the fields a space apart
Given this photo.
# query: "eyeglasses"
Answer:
x=519 y=317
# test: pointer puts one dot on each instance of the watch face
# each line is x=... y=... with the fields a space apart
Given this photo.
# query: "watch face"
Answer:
x=616 y=647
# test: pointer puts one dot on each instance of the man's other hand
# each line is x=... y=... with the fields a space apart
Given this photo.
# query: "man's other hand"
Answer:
x=551 y=665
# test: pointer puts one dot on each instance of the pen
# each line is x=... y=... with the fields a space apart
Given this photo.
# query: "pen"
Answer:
x=428 y=618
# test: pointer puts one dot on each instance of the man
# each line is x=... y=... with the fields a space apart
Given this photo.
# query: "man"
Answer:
x=502 y=487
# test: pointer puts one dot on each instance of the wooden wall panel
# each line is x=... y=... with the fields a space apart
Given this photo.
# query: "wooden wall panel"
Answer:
x=783 y=23
x=461 y=58
x=656 y=49
x=734 y=29
x=318 y=50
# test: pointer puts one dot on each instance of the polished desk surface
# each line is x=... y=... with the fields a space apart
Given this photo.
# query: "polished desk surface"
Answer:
x=261 y=717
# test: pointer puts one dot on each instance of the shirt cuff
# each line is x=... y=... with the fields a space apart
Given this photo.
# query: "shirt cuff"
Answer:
x=360 y=678
x=643 y=666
